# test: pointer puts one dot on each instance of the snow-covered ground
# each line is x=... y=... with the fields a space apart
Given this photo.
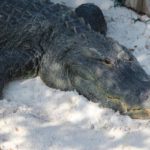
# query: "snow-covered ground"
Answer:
x=35 y=117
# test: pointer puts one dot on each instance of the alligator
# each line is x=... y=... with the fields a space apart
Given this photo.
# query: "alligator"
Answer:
x=38 y=37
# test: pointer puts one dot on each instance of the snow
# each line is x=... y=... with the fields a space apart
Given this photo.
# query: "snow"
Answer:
x=35 y=117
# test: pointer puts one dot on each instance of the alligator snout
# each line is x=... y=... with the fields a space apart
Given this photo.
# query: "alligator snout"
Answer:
x=140 y=110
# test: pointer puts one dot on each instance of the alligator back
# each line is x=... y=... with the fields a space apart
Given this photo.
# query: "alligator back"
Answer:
x=26 y=18
x=14 y=13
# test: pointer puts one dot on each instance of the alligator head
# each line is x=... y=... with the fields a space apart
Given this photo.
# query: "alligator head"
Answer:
x=100 y=69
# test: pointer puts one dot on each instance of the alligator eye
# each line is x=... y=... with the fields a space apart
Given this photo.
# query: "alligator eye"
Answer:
x=107 y=61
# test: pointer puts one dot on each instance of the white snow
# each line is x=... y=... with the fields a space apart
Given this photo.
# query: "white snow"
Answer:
x=35 y=117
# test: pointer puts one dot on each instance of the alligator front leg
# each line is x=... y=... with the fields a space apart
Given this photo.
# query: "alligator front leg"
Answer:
x=16 y=64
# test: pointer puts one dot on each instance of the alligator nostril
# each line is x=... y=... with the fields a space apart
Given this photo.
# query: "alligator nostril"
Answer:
x=145 y=99
x=131 y=59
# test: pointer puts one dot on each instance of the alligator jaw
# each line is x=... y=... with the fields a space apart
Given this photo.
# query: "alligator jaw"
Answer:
x=143 y=111
x=139 y=113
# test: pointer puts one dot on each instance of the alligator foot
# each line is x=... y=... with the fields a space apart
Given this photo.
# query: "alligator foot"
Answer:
x=92 y=16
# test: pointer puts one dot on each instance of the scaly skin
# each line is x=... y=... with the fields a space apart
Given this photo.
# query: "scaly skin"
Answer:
x=93 y=16
x=38 y=37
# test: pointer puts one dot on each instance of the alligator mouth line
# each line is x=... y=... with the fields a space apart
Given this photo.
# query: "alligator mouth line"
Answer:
x=135 y=112
x=139 y=113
